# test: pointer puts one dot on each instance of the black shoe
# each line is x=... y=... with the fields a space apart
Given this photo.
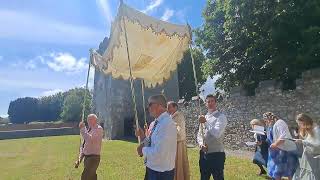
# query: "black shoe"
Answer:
x=262 y=173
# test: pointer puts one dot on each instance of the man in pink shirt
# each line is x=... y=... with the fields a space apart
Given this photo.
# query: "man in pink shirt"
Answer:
x=92 y=147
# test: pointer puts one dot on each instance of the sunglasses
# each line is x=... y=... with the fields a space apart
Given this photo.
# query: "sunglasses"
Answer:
x=151 y=103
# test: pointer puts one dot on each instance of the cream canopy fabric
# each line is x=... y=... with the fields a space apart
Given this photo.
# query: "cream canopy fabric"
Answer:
x=155 y=47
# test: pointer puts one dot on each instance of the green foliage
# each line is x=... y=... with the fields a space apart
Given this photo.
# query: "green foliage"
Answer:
x=50 y=107
x=66 y=105
x=250 y=41
x=23 y=110
x=187 y=87
x=73 y=104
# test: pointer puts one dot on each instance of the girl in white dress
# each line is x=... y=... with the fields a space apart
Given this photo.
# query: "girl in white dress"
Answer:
x=309 y=168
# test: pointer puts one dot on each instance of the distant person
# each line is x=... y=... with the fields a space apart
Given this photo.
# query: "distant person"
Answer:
x=160 y=148
x=261 y=151
x=212 y=155
x=92 y=147
x=182 y=162
x=309 y=167
x=282 y=158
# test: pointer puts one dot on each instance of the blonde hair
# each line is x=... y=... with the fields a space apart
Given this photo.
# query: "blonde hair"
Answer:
x=256 y=122
x=308 y=124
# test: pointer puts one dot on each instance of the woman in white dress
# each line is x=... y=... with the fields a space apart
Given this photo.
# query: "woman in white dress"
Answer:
x=309 y=168
x=282 y=158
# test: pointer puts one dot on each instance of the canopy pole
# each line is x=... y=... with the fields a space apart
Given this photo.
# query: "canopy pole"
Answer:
x=144 y=103
x=86 y=89
x=84 y=98
x=131 y=79
x=197 y=89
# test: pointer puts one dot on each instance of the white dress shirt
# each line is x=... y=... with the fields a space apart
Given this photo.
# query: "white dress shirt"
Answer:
x=281 y=131
x=161 y=154
x=213 y=131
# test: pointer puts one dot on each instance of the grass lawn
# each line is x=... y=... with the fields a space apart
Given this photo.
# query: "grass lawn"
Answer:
x=53 y=157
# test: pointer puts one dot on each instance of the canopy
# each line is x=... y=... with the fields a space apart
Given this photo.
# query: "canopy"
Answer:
x=155 y=47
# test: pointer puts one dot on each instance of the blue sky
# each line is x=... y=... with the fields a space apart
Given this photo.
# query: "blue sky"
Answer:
x=44 y=45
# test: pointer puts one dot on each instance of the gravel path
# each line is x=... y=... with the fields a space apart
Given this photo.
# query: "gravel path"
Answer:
x=240 y=153
x=235 y=153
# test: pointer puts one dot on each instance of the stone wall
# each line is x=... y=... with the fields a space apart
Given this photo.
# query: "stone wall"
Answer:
x=240 y=109
x=16 y=134
x=13 y=127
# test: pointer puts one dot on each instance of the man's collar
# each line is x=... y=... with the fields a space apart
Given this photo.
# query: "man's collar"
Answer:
x=94 y=127
x=175 y=114
x=212 y=112
x=161 y=116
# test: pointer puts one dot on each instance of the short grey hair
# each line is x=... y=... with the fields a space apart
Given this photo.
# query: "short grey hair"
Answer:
x=92 y=116
x=158 y=99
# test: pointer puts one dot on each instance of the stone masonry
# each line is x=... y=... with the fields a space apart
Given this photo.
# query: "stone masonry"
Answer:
x=240 y=109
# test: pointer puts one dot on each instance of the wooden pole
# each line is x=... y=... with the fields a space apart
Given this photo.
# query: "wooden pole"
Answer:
x=197 y=90
x=131 y=79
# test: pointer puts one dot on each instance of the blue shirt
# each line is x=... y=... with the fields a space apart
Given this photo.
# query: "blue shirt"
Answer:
x=161 y=154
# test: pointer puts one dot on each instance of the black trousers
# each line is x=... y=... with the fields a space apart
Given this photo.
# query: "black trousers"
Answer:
x=146 y=174
x=212 y=164
x=91 y=163
x=155 y=175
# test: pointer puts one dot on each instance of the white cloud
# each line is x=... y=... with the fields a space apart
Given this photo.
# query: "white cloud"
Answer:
x=25 y=26
x=31 y=64
x=51 y=92
x=104 y=7
x=154 y=4
x=66 y=62
x=4 y=115
x=26 y=79
x=167 y=14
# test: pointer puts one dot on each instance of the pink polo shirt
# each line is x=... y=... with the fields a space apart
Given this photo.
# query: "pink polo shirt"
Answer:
x=93 y=140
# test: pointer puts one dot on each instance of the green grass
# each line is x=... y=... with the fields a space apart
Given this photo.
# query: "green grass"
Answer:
x=53 y=157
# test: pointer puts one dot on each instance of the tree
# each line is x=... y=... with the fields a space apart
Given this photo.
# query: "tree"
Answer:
x=23 y=110
x=236 y=36
x=250 y=41
x=50 y=107
x=187 y=87
x=296 y=38
x=72 y=105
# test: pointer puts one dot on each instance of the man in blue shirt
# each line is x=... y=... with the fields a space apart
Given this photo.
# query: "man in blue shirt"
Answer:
x=159 y=149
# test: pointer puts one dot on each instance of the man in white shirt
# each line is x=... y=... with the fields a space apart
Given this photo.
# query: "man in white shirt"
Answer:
x=159 y=149
x=210 y=139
